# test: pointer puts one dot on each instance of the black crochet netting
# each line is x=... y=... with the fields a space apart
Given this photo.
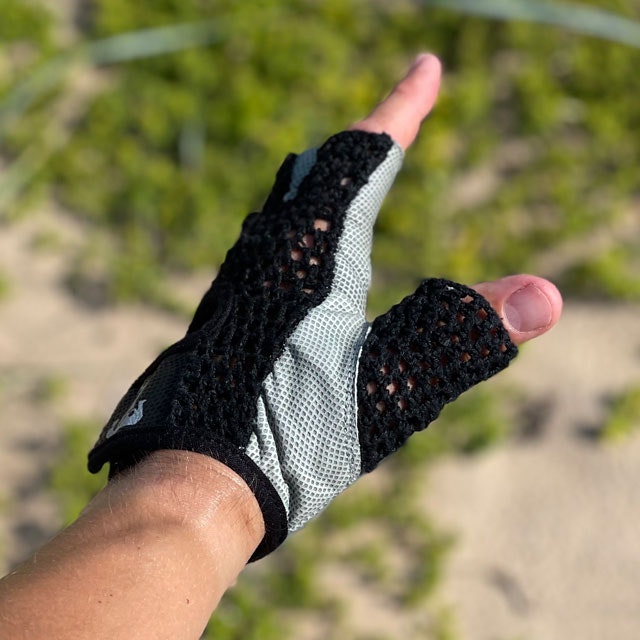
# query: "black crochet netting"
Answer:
x=201 y=394
x=423 y=353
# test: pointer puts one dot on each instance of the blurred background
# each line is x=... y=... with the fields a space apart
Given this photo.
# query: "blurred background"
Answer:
x=135 y=137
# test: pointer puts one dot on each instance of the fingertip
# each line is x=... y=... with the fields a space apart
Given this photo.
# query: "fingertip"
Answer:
x=411 y=100
x=430 y=62
x=529 y=306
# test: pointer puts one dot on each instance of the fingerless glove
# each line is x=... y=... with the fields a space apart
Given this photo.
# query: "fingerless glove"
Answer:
x=279 y=376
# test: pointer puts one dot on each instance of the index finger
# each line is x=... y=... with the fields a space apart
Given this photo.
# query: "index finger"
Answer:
x=402 y=111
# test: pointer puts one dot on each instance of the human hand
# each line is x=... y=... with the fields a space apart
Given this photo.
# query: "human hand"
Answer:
x=280 y=377
x=528 y=306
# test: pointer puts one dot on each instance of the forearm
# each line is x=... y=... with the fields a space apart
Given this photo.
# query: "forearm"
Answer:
x=150 y=557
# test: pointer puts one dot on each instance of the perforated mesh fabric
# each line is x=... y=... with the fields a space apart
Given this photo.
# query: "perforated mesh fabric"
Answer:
x=422 y=354
x=308 y=402
x=279 y=376
x=282 y=268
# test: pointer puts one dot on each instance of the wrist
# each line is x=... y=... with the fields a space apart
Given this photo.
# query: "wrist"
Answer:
x=170 y=535
x=191 y=492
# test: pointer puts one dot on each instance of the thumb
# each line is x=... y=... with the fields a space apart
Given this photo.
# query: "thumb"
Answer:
x=435 y=344
x=423 y=353
x=527 y=305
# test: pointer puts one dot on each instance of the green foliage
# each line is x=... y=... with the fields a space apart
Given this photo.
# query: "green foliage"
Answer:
x=46 y=240
x=70 y=481
x=445 y=626
x=612 y=274
x=24 y=23
x=5 y=286
x=24 y=42
x=624 y=417
x=246 y=614
x=49 y=388
x=471 y=424
x=223 y=113
x=534 y=142
x=534 y=146
x=258 y=606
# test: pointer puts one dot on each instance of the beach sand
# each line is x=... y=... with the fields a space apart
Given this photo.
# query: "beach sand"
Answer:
x=548 y=525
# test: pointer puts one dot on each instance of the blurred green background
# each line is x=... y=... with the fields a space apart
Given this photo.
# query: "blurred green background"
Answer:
x=163 y=140
x=533 y=147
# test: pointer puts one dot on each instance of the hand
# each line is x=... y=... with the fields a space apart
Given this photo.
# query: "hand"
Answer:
x=528 y=305
x=280 y=377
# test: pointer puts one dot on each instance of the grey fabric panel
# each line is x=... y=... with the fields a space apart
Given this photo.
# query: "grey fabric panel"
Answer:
x=263 y=450
x=353 y=261
x=303 y=165
x=310 y=397
x=307 y=440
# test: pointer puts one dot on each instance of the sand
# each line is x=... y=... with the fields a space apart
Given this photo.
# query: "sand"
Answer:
x=548 y=525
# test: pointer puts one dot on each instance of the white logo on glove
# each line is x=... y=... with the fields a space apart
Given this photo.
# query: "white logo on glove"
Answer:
x=131 y=418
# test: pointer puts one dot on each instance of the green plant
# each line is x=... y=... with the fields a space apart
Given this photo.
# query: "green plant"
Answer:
x=444 y=627
x=624 y=416
x=49 y=388
x=180 y=146
x=532 y=152
x=70 y=482
x=476 y=421
x=5 y=286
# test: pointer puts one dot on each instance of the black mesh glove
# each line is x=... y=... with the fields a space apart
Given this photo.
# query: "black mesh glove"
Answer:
x=279 y=375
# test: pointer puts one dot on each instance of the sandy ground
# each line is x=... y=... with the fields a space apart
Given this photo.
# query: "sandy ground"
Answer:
x=549 y=542
x=548 y=526
x=47 y=336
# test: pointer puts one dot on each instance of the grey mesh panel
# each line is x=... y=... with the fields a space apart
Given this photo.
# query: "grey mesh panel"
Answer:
x=263 y=450
x=301 y=168
x=309 y=400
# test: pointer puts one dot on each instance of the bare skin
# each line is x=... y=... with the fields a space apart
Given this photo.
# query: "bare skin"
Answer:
x=153 y=553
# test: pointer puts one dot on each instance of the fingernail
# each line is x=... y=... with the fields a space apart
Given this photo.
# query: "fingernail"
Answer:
x=528 y=309
x=419 y=60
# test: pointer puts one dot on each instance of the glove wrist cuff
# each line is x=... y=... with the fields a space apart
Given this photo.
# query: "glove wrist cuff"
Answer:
x=125 y=451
